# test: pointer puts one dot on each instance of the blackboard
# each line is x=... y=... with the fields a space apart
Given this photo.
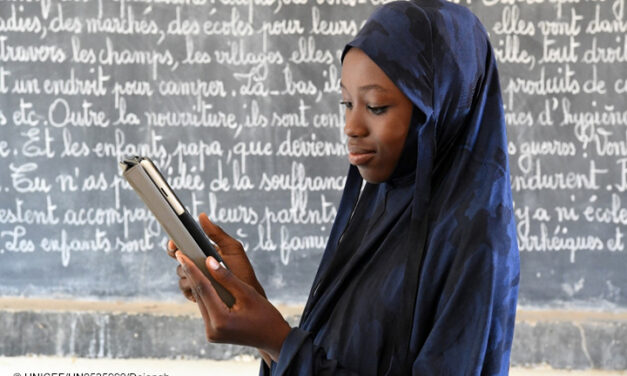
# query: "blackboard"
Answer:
x=238 y=102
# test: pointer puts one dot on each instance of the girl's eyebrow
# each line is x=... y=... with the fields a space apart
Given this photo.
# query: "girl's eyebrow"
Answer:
x=366 y=87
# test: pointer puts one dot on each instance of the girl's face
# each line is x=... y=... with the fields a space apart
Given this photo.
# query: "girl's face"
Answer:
x=377 y=117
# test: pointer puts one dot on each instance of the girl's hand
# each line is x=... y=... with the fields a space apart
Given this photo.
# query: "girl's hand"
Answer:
x=252 y=321
x=231 y=251
x=234 y=256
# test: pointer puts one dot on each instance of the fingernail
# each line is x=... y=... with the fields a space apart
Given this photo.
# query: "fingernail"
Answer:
x=213 y=263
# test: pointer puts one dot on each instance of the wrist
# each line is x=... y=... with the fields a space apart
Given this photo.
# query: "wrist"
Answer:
x=266 y=357
x=279 y=335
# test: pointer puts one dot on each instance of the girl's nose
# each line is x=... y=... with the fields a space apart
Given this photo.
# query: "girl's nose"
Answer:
x=354 y=125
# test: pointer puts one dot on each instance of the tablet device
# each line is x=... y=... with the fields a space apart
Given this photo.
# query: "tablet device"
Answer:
x=148 y=182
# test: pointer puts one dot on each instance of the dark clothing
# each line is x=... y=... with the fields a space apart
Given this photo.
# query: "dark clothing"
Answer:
x=423 y=278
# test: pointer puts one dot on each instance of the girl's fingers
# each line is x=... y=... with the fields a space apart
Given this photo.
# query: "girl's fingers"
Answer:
x=171 y=248
x=186 y=289
x=201 y=287
x=238 y=288
x=215 y=233
x=180 y=272
x=203 y=310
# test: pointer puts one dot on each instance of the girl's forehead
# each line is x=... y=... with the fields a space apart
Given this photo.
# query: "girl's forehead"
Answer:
x=361 y=74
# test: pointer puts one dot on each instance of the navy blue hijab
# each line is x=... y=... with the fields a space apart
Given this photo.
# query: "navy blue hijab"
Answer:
x=420 y=274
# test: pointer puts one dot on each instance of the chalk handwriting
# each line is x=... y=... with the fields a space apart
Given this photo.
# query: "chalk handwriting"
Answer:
x=237 y=102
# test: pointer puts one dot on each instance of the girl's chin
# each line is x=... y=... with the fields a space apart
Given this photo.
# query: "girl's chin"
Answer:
x=368 y=175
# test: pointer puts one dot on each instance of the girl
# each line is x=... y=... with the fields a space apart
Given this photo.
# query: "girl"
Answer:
x=420 y=273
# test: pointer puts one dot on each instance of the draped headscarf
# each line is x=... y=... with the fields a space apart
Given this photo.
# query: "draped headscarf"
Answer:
x=420 y=274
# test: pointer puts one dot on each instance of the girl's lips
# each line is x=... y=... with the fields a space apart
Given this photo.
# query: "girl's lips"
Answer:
x=358 y=159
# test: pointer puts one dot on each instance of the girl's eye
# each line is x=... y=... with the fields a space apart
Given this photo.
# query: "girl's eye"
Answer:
x=348 y=105
x=378 y=110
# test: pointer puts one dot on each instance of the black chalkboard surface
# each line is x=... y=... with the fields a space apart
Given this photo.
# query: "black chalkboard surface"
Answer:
x=237 y=101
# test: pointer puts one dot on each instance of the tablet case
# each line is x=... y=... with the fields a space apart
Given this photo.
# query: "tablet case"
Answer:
x=174 y=225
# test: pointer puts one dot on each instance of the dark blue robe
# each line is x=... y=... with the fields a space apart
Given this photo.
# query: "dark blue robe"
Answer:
x=422 y=279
